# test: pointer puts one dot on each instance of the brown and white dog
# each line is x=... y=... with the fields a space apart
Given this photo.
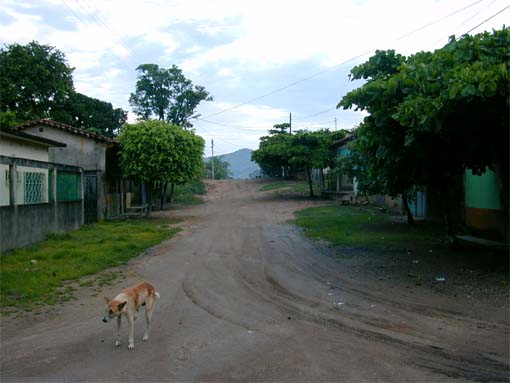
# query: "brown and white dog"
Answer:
x=129 y=300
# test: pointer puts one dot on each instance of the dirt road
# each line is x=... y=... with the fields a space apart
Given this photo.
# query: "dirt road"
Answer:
x=245 y=297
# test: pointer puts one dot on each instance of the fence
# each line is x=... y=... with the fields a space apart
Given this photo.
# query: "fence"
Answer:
x=37 y=198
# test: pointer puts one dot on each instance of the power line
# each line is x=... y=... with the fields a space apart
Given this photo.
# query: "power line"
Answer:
x=476 y=13
x=438 y=20
x=315 y=125
x=315 y=114
x=291 y=84
x=105 y=24
x=231 y=126
x=483 y=22
x=230 y=143
x=338 y=65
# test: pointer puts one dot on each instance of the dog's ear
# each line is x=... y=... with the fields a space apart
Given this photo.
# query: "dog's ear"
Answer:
x=121 y=306
x=107 y=300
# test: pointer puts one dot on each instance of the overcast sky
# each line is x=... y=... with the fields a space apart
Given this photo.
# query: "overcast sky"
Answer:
x=241 y=50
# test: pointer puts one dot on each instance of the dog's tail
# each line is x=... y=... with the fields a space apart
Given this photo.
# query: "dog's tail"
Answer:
x=157 y=294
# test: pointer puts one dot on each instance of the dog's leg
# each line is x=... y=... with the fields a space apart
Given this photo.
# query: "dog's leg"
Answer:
x=131 y=321
x=148 y=316
x=117 y=340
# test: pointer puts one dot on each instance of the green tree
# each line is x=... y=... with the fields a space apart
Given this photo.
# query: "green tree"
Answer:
x=186 y=161
x=91 y=114
x=378 y=158
x=34 y=80
x=435 y=114
x=166 y=94
x=221 y=169
x=158 y=153
x=272 y=154
x=312 y=150
x=8 y=120
x=303 y=150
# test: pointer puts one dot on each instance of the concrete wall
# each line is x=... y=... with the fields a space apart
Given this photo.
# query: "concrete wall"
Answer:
x=32 y=223
x=23 y=149
x=483 y=214
x=80 y=150
x=24 y=224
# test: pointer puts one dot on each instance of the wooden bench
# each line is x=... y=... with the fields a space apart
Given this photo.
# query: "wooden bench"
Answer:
x=138 y=209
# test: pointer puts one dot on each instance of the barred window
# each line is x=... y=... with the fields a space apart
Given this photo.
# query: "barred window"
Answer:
x=35 y=187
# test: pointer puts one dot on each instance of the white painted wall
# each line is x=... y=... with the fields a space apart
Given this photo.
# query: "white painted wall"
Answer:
x=23 y=149
x=20 y=148
x=80 y=150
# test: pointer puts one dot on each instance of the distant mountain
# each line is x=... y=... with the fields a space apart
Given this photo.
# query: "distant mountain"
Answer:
x=241 y=165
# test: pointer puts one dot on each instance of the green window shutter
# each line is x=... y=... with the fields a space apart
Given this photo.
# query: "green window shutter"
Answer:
x=68 y=187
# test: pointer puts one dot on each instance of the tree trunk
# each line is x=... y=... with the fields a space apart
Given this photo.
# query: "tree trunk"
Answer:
x=323 y=181
x=410 y=219
x=309 y=181
x=148 y=190
x=450 y=229
x=163 y=193
x=172 y=188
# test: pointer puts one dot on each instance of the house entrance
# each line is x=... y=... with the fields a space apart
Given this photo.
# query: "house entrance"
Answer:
x=90 y=198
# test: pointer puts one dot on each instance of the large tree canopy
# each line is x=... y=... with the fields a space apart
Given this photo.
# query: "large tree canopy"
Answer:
x=433 y=114
x=158 y=153
x=91 y=114
x=272 y=154
x=166 y=94
x=281 y=151
x=34 y=80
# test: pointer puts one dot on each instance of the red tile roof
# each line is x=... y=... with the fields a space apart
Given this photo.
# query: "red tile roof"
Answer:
x=67 y=128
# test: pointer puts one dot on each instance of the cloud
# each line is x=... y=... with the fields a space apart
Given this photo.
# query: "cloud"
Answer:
x=238 y=50
x=164 y=39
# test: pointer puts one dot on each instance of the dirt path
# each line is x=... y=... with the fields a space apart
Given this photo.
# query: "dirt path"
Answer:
x=245 y=297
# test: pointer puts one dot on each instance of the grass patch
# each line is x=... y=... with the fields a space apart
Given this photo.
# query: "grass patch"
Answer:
x=354 y=226
x=304 y=188
x=300 y=187
x=189 y=193
x=39 y=274
x=276 y=185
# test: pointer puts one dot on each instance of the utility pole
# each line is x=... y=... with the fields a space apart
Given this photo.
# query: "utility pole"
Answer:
x=212 y=159
x=290 y=123
x=335 y=124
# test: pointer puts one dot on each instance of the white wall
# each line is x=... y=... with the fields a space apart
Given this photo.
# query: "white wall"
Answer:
x=80 y=150
x=20 y=148
x=23 y=149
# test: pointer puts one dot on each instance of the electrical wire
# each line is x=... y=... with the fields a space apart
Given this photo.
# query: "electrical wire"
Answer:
x=315 y=114
x=95 y=14
x=438 y=20
x=483 y=22
x=231 y=126
x=338 y=65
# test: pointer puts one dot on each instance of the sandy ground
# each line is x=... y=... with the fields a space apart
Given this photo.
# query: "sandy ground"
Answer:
x=246 y=297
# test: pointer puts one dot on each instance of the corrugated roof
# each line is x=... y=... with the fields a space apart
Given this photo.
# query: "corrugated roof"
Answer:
x=348 y=137
x=67 y=128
